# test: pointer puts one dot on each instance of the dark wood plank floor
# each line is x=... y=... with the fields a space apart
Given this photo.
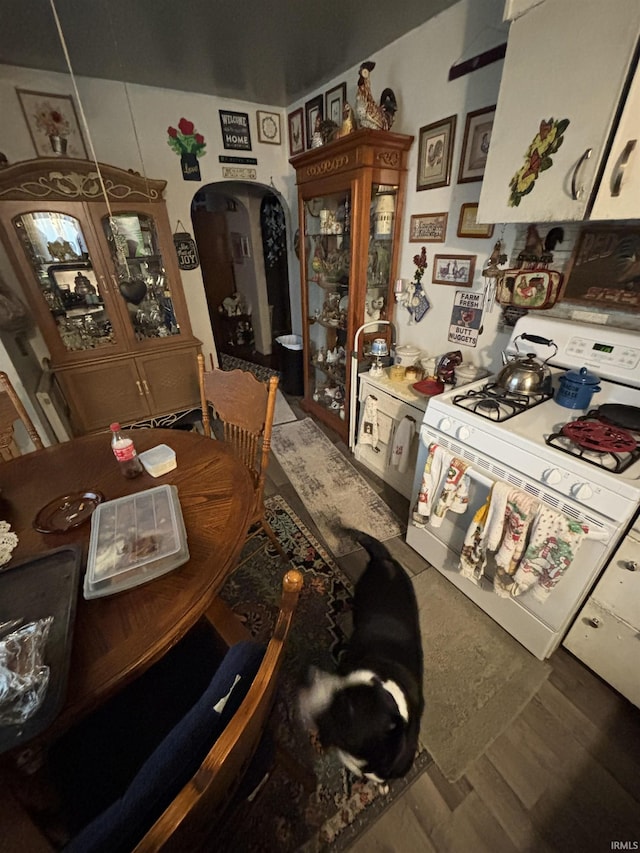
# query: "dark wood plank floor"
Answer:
x=565 y=775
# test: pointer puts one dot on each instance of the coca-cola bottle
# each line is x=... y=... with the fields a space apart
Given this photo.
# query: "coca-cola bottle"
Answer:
x=125 y=452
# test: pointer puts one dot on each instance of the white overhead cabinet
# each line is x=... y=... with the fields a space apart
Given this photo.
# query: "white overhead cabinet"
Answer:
x=562 y=98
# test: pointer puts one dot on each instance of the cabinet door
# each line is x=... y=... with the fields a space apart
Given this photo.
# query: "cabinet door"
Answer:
x=567 y=60
x=327 y=289
x=64 y=278
x=619 y=193
x=170 y=380
x=99 y=394
x=146 y=280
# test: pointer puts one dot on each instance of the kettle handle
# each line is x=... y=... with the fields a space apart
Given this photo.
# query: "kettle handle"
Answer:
x=537 y=339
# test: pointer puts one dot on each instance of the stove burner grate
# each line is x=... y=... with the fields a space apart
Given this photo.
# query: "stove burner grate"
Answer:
x=496 y=404
x=597 y=441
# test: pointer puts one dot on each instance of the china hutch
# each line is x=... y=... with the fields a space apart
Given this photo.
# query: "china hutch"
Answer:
x=101 y=276
x=350 y=201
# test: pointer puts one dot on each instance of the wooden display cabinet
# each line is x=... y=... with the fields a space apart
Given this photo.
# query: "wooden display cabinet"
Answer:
x=102 y=279
x=350 y=201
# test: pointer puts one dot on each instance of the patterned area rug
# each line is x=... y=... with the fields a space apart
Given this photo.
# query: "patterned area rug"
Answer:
x=286 y=816
x=331 y=489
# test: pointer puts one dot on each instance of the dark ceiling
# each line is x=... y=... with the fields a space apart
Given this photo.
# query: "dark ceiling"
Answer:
x=272 y=52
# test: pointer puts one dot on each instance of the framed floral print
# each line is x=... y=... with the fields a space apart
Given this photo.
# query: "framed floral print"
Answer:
x=475 y=146
x=53 y=124
x=268 y=127
x=296 y=132
x=334 y=101
x=313 y=110
x=435 y=154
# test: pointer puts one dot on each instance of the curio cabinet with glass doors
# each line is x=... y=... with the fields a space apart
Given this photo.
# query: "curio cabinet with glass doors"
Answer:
x=103 y=282
x=350 y=201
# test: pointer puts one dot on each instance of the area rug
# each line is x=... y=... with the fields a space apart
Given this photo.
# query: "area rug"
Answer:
x=331 y=489
x=477 y=677
x=287 y=816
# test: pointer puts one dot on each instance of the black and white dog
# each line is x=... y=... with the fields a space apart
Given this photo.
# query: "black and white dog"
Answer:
x=371 y=709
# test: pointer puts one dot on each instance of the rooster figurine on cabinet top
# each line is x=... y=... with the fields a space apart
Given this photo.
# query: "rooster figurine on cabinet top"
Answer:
x=368 y=112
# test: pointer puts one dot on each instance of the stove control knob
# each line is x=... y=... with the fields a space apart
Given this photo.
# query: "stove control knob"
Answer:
x=463 y=433
x=552 y=476
x=444 y=425
x=582 y=491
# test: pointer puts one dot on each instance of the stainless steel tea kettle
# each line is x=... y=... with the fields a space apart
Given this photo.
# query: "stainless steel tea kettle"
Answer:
x=525 y=373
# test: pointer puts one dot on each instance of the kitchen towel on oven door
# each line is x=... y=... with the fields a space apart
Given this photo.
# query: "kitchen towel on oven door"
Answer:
x=445 y=486
x=534 y=544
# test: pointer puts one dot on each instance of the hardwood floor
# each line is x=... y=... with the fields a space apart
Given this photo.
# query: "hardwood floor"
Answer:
x=564 y=776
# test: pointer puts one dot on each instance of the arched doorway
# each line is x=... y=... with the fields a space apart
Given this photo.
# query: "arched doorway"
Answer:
x=240 y=230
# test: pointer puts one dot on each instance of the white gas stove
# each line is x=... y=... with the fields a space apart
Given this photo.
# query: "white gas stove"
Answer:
x=579 y=482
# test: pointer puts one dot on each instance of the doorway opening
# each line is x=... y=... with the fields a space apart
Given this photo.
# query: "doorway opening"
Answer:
x=241 y=234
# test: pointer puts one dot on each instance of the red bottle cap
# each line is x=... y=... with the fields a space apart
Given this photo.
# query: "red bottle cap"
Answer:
x=114 y=427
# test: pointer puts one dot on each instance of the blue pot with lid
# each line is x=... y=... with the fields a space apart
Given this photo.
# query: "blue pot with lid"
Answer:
x=577 y=387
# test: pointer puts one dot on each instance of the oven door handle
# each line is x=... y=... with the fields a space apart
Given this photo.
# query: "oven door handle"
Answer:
x=472 y=473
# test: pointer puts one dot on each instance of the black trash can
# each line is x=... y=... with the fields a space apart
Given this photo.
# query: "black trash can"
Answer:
x=290 y=359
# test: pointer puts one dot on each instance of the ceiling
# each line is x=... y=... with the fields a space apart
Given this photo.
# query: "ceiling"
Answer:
x=273 y=52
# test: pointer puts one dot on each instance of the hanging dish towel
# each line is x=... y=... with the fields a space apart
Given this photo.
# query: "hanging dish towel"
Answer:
x=402 y=444
x=551 y=550
x=484 y=533
x=519 y=513
x=454 y=494
x=369 y=425
x=435 y=471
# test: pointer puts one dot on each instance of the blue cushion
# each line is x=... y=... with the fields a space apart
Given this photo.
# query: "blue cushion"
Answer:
x=175 y=760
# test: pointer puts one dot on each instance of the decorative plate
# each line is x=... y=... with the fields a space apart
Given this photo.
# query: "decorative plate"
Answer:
x=66 y=512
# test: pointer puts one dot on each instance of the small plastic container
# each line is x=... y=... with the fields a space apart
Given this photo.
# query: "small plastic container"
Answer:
x=158 y=460
x=135 y=539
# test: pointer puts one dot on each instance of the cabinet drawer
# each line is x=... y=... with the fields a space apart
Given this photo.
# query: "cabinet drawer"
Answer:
x=390 y=405
x=609 y=647
x=618 y=590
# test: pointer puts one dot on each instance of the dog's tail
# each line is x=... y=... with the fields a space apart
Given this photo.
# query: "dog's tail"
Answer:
x=373 y=546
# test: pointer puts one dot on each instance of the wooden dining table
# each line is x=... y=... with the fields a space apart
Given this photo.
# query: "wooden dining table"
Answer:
x=117 y=637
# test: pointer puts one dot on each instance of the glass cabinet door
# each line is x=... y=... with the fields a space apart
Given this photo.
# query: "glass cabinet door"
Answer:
x=382 y=211
x=142 y=279
x=55 y=246
x=327 y=236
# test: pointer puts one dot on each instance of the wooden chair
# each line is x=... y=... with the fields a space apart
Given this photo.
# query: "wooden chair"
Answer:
x=244 y=407
x=184 y=788
x=12 y=410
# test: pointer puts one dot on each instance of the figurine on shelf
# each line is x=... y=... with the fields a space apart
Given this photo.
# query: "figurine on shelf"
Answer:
x=369 y=113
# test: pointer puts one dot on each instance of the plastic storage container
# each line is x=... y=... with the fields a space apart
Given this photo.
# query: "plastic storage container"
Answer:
x=135 y=539
x=291 y=361
x=158 y=460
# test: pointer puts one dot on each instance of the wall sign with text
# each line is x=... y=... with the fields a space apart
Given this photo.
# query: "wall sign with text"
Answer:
x=466 y=318
x=235 y=130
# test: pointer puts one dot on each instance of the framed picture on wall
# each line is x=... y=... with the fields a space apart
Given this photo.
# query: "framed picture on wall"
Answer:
x=454 y=269
x=468 y=223
x=296 y=131
x=435 y=154
x=428 y=228
x=53 y=124
x=475 y=146
x=314 y=110
x=268 y=127
x=334 y=101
